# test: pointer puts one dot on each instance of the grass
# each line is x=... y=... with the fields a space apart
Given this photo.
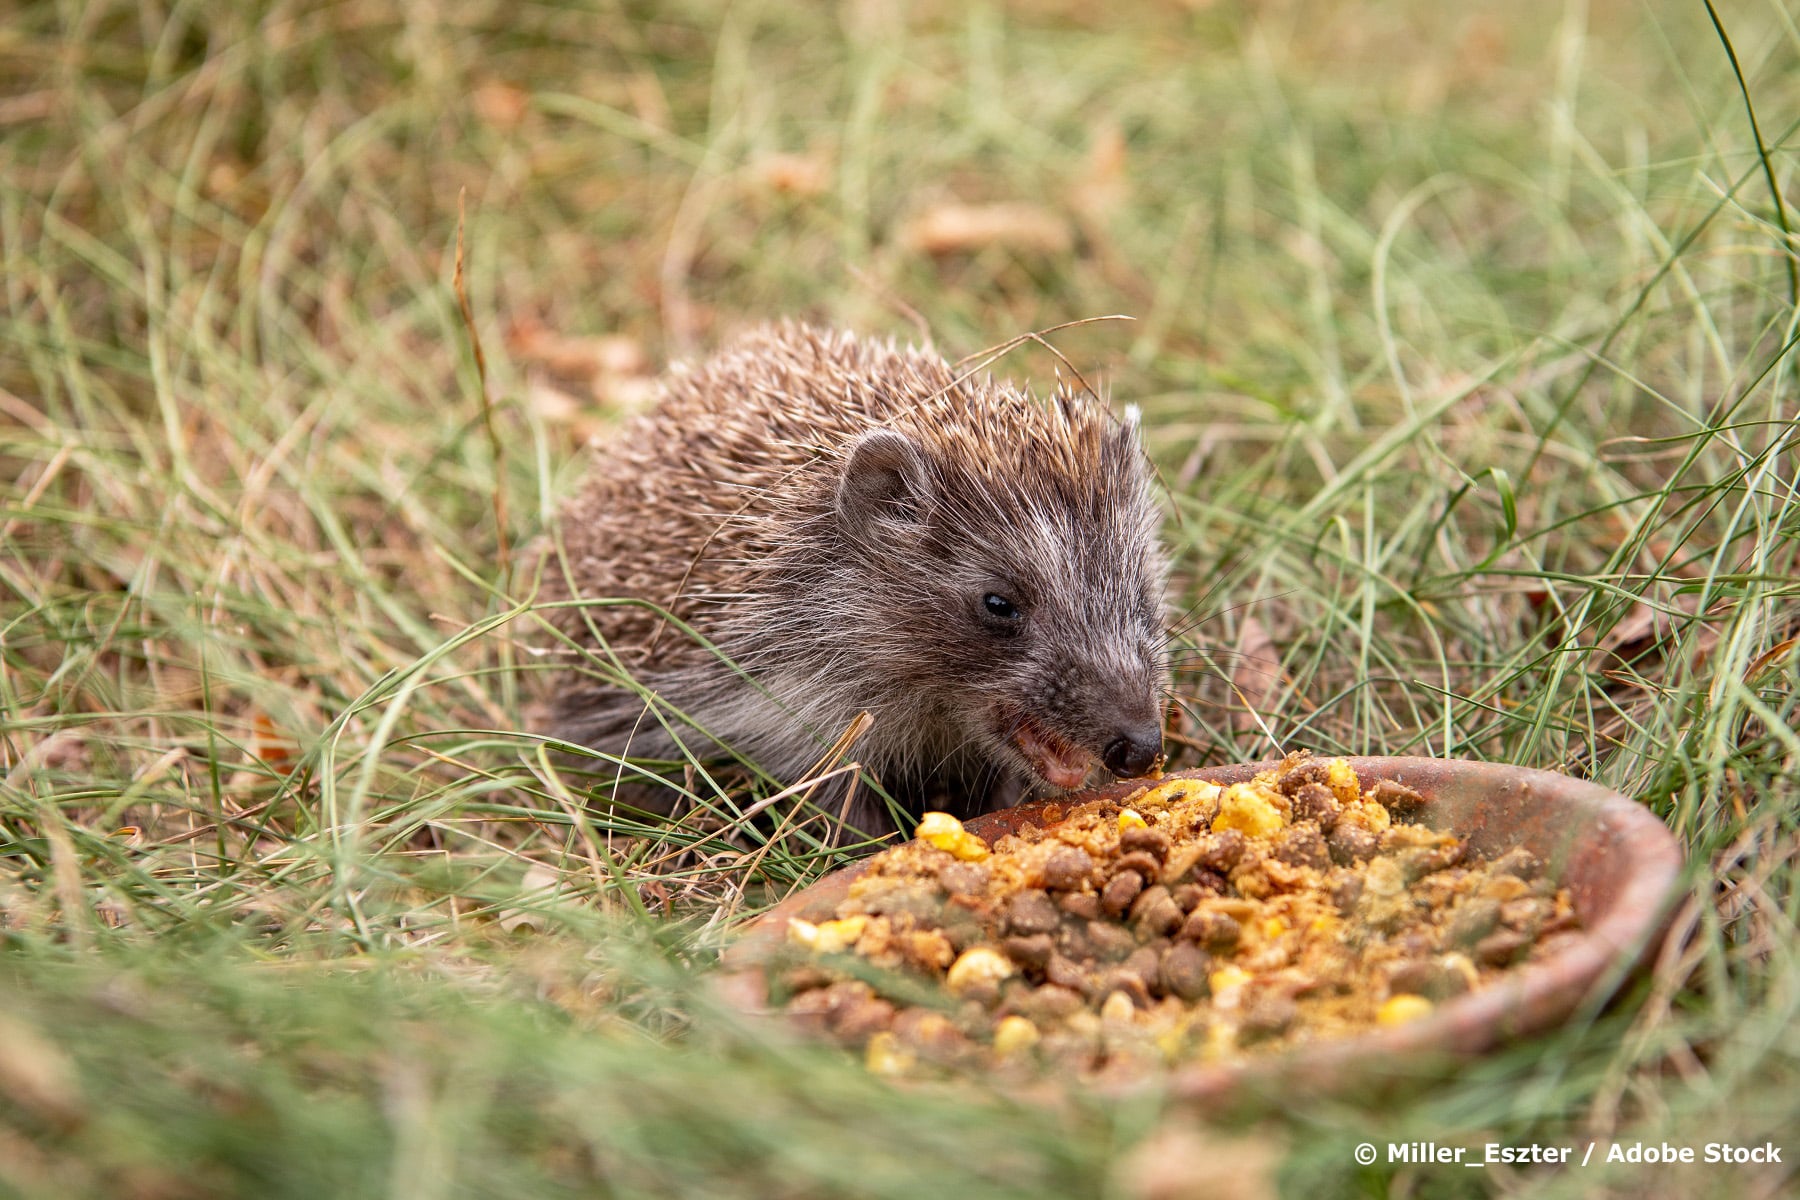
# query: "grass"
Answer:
x=1465 y=346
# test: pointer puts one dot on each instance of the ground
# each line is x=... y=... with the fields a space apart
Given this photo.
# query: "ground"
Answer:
x=1464 y=342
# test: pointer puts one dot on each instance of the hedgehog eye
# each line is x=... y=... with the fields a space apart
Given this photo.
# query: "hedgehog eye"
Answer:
x=1000 y=607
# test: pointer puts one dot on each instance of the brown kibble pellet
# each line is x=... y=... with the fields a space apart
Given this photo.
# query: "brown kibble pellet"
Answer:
x=1223 y=850
x=1109 y=942
x=1214 y=883
x=962 y=931
x=1142 y=862
x=922 y=901
x=1216 y=931
x=1501 y=947
x=1156 y=912
x=1188 y=896
x=858 y=1022
x=1030 y=951
x=1068 y=869
x=1153 y=842
x=1032 y=911
x=1315 y=802
x=1304 y=846
x=1085 y=905
x=1144 y=963
x=804 y=977
x=963 y=879
x=1120 y=892
x=1132 y=984
x=1396 y=797
x=1314 y=771
x=1184 y=969
x=1350 y=843
x=1051 y=1002
x=931 y=1034
x=1065 y=973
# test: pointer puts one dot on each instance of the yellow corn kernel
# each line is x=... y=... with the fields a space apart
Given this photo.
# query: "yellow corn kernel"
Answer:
x=938 y=828
x=1245 y=810
x=1227 y=980
x=1274 y=927
x=1013 y=1035
x=835 y=937
x=1118 y=1010
x=1130 y=819
x=886 y=1056
x=1403 y=1008
x=1370 y=816
x=827 y=937
x=1340 y=777
x=969 y=848
x=980 y=967
x=944 y=831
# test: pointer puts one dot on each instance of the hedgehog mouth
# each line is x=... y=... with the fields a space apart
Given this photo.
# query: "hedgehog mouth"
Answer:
x=1056 y=760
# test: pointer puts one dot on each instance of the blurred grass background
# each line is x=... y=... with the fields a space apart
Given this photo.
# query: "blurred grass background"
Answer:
x=1465 y=343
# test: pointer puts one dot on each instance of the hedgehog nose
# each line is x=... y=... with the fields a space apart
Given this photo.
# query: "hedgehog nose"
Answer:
x=1131 y=754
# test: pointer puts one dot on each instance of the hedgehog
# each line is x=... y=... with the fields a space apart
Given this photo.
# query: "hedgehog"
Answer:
x=812 y=525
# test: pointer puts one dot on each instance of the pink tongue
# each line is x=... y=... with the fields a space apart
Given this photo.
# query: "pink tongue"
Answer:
x=1061 y=764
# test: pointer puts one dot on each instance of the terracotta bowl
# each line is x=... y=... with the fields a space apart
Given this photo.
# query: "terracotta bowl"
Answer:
x=1620 y=864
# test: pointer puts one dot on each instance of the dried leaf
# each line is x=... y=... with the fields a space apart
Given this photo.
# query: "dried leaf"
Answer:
x=269 y=744
x=1768 y=658
x=965 y=228
x=1642 y=631
x=585 y=383
x=533 y=344
x=799 y=175
x=1102 y=189
x=551 y=402
x=62 y=750
x=655 y=894
x=500 y=105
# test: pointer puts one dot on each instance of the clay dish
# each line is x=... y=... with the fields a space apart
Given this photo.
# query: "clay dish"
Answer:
x=1619 y=862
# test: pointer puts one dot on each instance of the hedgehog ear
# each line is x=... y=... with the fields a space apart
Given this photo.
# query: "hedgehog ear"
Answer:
x=885 y=479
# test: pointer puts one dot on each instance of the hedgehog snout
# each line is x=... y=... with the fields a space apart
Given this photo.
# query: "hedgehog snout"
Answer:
x=1078 y=715
x=1133 y=751
x=1126 y=716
